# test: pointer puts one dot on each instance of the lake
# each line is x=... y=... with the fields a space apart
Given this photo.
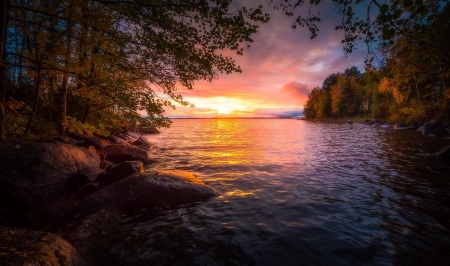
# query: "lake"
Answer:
x=294 y=192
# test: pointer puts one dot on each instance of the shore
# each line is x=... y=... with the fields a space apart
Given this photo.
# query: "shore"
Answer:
x=69 y=181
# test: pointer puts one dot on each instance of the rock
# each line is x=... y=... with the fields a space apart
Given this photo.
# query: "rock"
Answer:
x=445 y=152
x=157 y=189
x=91 y=188
x=94 y=141
x=139 y=141
x=65 y=139
x=115 y=139
x=426 y=126
x=142 y=144
x=119 y=153
x=121 y=171
x=149 y=130
x=26 y=247
x=445 y=125
x=409 y=127
x=398 y=125
x=106 y=164
x=32 y=173
x=88 y=141
x=349 y=122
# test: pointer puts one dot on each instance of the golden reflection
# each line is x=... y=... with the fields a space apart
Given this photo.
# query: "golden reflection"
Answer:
x=238 y=193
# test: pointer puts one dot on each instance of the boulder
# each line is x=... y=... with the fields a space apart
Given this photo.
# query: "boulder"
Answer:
x=119 y=153
x=427 y=126
x=445 y=152
x=26 y=247
x=139 y=141
x=65 y=139
x=106 y=164
x=120 y=171
x=88 y=141
x=349 y=122
x=157 y=189
x=115 y=139
x=32 y=173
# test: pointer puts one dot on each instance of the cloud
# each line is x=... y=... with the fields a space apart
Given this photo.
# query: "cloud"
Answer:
x=296 y=89
x=279 y=69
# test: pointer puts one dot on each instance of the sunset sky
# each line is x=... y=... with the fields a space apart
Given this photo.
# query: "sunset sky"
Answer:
x=278 y=71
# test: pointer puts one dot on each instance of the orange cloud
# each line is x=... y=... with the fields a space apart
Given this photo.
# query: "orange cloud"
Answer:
x=296 y=90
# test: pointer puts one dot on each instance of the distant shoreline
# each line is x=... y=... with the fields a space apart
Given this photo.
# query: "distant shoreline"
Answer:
x=230 y=118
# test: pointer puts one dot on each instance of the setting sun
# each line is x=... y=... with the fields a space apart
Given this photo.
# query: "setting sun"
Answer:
x=224 y=110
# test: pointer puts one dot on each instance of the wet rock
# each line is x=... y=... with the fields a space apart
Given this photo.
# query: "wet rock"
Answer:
x=349 y=122
x=119 y=153
x=35 y=173
x=140 y=141
x=121 y=171
x=445 y=152
x=162 y=188
x=26 y=247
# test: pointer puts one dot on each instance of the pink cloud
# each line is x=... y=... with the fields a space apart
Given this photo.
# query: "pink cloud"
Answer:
x=296 y=90
x=279 y=69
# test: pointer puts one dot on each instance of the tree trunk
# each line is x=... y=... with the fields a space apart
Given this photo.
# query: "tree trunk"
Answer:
x=65 y=85
x=3 y=27
x=36 y=101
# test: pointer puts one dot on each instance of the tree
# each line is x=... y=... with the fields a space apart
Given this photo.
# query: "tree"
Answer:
x=86 y=64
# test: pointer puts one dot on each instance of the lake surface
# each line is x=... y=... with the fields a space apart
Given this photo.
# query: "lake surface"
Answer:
x=294 y=192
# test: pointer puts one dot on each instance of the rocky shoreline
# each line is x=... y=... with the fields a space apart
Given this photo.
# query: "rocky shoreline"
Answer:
x=68 y=180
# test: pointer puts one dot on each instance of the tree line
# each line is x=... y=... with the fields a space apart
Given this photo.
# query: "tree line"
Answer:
x=411 y=82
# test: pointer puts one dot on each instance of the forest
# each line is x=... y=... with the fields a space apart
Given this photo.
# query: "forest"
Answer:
x=410 y=84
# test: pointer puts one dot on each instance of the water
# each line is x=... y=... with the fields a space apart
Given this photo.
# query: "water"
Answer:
x=296 y=192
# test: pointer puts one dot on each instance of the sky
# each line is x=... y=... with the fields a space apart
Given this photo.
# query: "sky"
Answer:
x=278 y=71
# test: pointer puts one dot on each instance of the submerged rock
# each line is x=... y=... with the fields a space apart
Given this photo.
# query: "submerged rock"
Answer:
x=32 y=173
x=119 y=153
x=164 y=188
x=26 y=247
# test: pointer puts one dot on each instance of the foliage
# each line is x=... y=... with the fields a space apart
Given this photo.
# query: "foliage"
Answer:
x=115 y=63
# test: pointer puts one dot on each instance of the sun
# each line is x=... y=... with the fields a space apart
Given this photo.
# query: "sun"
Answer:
x=224 y=110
